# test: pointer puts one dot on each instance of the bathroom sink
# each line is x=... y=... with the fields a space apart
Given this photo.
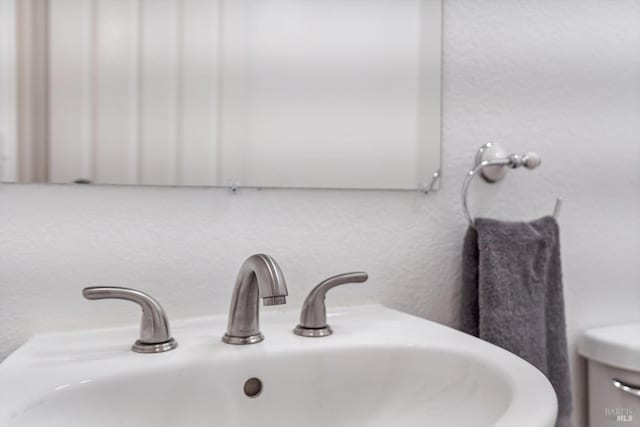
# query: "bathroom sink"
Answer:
x=380 y=368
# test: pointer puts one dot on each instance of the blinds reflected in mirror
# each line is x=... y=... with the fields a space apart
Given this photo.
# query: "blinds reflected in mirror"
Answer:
x=269 y=93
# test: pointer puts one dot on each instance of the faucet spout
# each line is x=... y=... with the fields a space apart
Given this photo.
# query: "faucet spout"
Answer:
x=259 y=277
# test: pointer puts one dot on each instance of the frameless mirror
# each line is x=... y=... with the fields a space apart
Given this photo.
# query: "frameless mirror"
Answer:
x=259 y=93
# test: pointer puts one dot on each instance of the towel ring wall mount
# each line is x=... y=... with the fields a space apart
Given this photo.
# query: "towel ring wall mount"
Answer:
x=492 y=162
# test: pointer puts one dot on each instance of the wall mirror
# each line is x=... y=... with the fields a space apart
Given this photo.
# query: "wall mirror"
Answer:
x=257 y=93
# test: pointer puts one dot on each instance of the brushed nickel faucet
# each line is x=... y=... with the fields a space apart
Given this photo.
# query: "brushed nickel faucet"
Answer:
x=313 y=318
x=259 y=277
x=154 y=327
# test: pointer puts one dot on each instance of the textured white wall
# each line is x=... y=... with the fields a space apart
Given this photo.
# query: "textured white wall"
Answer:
x=558 y=77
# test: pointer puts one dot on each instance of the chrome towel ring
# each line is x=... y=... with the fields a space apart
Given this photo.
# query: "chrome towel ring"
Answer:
x=490 y=161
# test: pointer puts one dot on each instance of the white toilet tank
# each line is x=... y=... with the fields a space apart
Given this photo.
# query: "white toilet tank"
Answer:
x=612 y=398
x=613 y=354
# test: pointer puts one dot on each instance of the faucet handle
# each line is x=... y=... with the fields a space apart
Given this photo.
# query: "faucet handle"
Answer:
x=154 y=327
x=313 y=318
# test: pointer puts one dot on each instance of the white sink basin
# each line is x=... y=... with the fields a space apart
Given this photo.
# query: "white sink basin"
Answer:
x=380 y=368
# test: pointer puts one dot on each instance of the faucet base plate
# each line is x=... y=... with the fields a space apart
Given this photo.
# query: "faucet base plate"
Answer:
x=141 y=347
x=251 y=339
x=312 y=332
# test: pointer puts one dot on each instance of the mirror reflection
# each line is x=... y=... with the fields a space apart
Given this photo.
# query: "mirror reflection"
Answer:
x=260 y=93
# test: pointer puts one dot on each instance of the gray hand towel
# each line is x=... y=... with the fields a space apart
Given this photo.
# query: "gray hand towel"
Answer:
x=512 y=296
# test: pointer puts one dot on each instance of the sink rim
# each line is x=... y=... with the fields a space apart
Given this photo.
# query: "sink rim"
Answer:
x=354 y=326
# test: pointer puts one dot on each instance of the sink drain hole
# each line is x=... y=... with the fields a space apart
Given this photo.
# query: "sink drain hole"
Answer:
x=253 y=387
